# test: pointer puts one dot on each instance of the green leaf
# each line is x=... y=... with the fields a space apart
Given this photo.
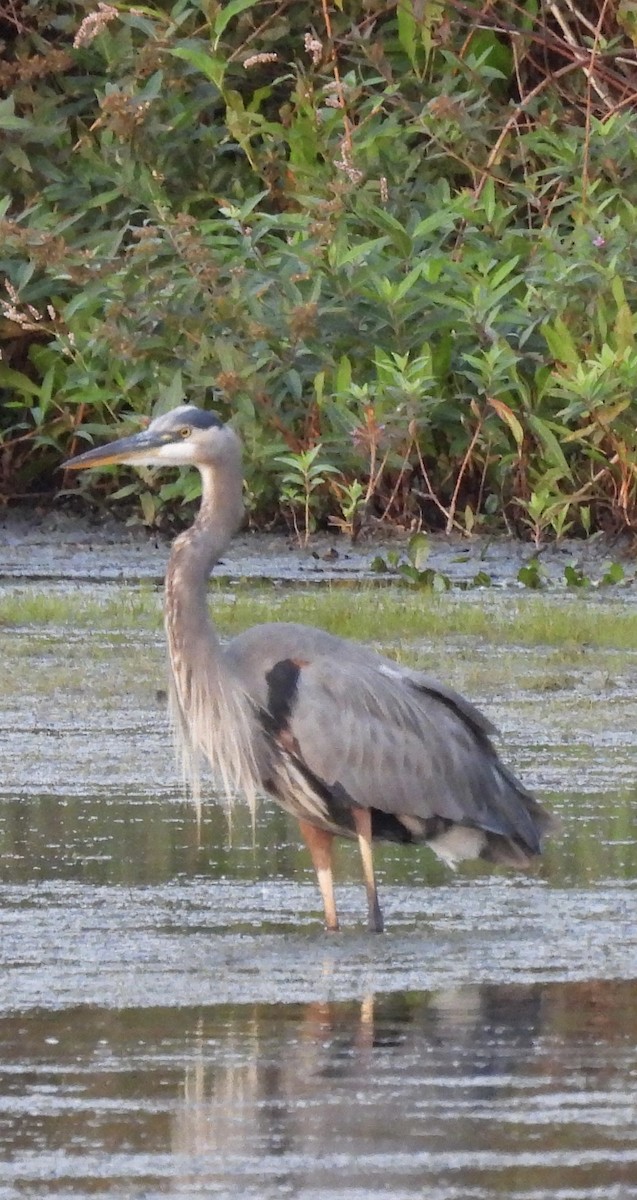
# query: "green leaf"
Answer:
x=493 y=52
x=419 y=550
x=343 y=377
x=408 y=282
x=531 y=575
x=227 y=13
x=149 y=507
x=617 y=288
x=288 y=460
x=213 y=68
x=488 y=199
x=613 y=574
x=294 y=383
x=355 y=254
x=560 y=343
x=503 y=270
x=550 y=444
x=8 y=119
x=392 y=226
x=407 y=29
x=127 y=490
x=623 y=329
x=17 y=381
x=444 y=219
x=17 y=156
x=319 y=387
x=432 y=14
x=440 y=582
x=574 y=577
x=507 y=415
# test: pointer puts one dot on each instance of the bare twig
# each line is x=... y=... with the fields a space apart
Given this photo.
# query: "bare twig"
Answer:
x=591 y=82
x=572 y=41
x=255 y=33
x=430 y=494
x=463 y=466
x=401 y=476
x=517 y=112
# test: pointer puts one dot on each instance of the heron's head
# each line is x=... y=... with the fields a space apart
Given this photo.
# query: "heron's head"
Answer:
x=186 y=436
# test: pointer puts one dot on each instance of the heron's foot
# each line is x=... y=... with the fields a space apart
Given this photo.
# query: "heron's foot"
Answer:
x=332 y=927
x=375 y=922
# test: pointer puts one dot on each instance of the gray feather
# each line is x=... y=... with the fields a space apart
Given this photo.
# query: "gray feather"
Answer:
x=391 y=738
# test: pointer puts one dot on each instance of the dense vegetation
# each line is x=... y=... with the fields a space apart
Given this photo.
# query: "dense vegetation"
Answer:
x=397 y=243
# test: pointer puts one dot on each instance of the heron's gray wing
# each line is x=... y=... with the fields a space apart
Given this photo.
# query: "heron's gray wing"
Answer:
x=442 y=692
x=394 y=741
x=253 y=653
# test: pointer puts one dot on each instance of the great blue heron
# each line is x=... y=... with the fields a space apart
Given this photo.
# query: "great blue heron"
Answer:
x=349 y=742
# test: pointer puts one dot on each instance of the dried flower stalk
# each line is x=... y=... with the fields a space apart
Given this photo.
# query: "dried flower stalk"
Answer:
x=94 y=24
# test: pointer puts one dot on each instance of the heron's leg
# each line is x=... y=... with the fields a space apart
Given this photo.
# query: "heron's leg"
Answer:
x=363 y=823
x=319 y=844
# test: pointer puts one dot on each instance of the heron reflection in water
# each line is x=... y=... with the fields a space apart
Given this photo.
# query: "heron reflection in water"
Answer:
x=275 y=1084
x=347 y=741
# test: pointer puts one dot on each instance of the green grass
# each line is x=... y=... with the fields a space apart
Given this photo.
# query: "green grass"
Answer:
x=128 y=608
x=381 y=615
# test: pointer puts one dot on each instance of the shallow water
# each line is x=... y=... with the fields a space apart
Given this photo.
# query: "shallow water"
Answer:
x=476 y=1091
x=174 y=1021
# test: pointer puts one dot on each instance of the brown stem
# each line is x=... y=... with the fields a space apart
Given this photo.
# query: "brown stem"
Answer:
x=398 y=482
x=463 y=466
x=590 y=82
x=431 y=494
x=517 y=112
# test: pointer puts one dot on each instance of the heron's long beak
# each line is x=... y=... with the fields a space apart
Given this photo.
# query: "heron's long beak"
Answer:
x=136 y=449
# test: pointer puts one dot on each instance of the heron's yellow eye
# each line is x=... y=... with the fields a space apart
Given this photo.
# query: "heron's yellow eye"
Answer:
x=185 y=431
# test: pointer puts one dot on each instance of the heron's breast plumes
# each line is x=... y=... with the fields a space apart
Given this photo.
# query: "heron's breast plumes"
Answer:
x=213 y=728
x=212 y=716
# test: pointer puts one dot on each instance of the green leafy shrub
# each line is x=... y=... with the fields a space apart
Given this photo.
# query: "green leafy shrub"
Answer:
x=392 y=238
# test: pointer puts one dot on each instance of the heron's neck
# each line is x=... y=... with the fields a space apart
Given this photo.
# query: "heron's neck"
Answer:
x=195 y=552
x=213 y=719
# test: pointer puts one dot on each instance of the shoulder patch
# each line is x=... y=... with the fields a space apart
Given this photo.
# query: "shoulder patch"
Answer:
x=282 y=681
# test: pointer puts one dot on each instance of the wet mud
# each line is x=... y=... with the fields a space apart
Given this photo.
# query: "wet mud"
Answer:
x=60 y=547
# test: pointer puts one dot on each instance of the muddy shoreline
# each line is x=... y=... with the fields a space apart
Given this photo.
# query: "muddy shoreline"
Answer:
x=57 y=545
